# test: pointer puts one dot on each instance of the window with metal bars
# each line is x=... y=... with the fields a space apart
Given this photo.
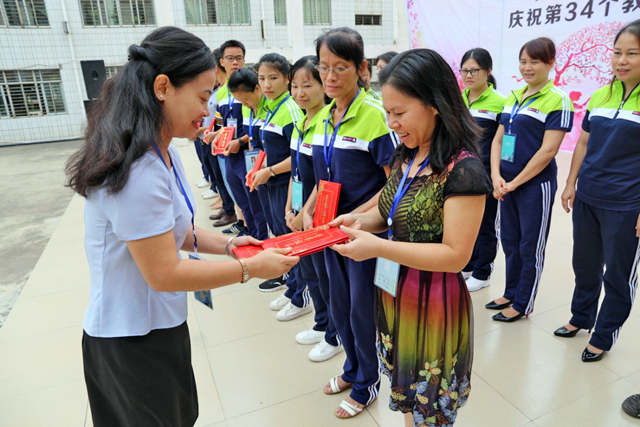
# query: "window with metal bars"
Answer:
x=217 y=12
x=280 y=11
x=368 y=19
x=117 y=13
x=112 y=70
x=29 y=93
x=317 y=12
x=23 y=13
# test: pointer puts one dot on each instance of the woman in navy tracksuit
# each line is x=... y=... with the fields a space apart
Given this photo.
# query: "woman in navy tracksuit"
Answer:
x=485 y=104
x=524 y=174
x=606 y=203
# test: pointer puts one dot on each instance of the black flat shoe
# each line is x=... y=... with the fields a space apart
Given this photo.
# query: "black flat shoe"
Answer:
x=588 y=356
x=493 y=306
x=502 y=318
x=565 y=333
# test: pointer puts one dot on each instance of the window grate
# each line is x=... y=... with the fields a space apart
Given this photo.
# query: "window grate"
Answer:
x=317 y=12
x=29 y=93
x=368 y=19
x=23 y=13
x=117 y=13
x=217 y=12
x=280 y=11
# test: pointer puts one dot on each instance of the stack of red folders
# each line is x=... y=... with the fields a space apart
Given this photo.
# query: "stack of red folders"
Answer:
x=302 y=243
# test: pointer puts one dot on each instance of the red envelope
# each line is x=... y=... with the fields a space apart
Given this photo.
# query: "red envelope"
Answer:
x=308 y=242
x=225 y=136
x=256 y=167
x=327 y=203
x=247 y=251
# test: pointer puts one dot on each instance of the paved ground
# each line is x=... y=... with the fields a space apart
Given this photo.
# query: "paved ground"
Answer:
x=32 y=201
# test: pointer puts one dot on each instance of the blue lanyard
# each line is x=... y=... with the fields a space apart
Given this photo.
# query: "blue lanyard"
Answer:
x=514 y=113
x=253 y=122
x=184 y=193
x=328 y=151
x=402 y=190
x=300 y=139
x=268 y=119
x=230 y=100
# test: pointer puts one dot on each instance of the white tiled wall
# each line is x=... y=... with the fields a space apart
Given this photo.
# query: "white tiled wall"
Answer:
x=51 y=48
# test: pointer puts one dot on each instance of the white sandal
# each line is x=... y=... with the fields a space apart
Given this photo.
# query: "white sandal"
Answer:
x=351 y=409
x=335 y=388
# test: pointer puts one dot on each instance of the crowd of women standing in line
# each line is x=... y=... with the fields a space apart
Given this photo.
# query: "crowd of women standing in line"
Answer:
x=423 y=173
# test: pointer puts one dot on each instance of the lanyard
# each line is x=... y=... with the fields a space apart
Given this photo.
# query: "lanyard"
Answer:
x=184 y=194
x=300 y=139
x=402 y=190
x=328 y=151
x=514 y=113
x=251 y=121
x=267 y=120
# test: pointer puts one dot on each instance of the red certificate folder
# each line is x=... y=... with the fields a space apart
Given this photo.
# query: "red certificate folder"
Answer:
x=247 y=251
x=256 y=167
x=226 y=135
x=307 y=242
x=327 y=203
x=302 y=243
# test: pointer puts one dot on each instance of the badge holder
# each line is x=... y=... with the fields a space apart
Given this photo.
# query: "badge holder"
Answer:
x=234 y=123
x=296 y=194
x=508 y=147
x=387 y=276
x=203 y=296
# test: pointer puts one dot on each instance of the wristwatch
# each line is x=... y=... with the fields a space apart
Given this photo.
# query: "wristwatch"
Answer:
x=245 y=271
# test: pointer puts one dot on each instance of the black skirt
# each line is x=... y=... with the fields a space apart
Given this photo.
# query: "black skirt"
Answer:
x=141 y=381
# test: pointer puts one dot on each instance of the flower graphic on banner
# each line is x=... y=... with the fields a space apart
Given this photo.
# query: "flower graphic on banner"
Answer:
x=414 y=25
x=583 y=65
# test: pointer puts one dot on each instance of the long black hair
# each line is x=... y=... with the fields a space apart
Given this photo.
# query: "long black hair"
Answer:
x=245 y=80
x=422 y=74
x=483 y=58
x=127 y=115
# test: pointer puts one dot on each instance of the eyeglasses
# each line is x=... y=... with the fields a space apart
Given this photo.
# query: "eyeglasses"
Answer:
x=337 y=70
x=234 y=58
x=473 y=72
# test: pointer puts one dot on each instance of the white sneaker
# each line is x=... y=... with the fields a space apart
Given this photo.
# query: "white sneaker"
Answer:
x=278 y=303
x=203 y=183
x=209 y=194
x=324 y=351
x=290 y=312
x=474 y=284
x=466 y=274
x=309 y=337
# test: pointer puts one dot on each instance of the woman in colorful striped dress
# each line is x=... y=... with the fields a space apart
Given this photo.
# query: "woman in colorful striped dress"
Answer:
x=432 y=207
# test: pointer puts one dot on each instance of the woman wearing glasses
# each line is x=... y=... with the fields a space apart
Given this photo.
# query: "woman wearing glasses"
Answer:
x=351 y=146
x=485 y=104
x=524 y=174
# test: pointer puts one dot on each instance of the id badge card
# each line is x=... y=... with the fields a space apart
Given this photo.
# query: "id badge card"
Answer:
x=296 y=195
x=250 y=157
x=202 y=296
x=387 y=275
x=233 y=122
x=508 y=147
